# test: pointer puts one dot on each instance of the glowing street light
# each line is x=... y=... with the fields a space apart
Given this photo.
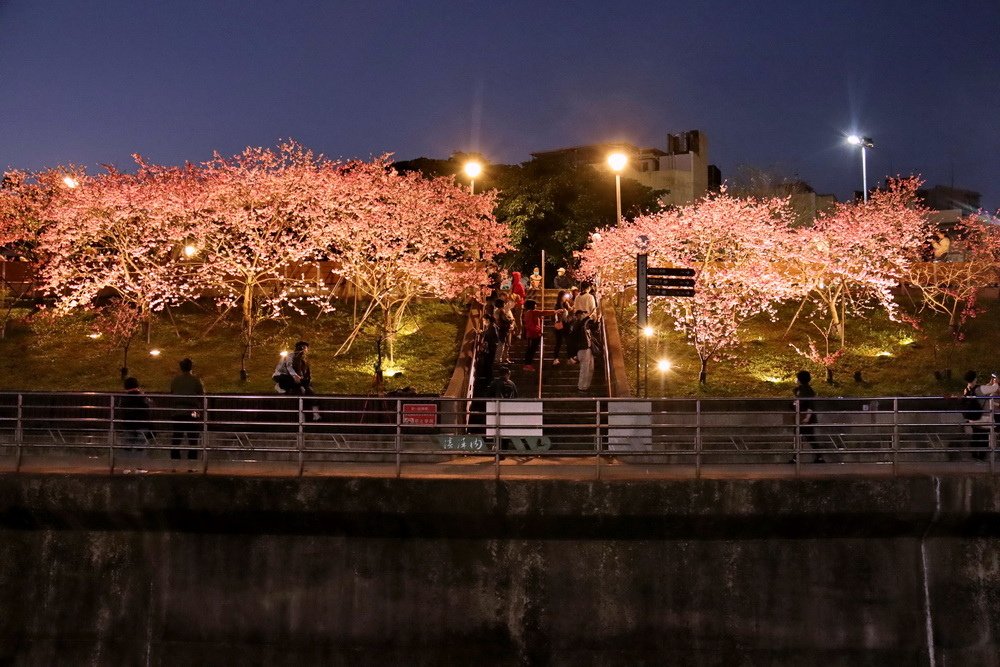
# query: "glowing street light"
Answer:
x=70 y=182
x=865 y=143
x=664 y=365
x=190 y=250
x=472 y=169
x=617 y=162
x=648 y=332
x=154 y=352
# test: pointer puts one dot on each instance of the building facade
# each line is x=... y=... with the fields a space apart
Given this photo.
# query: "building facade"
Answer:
x=681 y=171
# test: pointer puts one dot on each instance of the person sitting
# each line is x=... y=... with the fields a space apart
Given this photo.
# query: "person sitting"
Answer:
x=941 y=245
x=503 y=386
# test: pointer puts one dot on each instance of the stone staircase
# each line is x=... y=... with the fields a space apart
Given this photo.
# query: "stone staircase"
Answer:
x=571 y=424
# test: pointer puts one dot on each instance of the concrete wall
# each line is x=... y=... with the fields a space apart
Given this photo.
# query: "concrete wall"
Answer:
x=206 y=570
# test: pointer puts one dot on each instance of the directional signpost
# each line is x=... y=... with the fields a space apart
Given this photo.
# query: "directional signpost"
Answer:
x=653 y=281
x=669 y=282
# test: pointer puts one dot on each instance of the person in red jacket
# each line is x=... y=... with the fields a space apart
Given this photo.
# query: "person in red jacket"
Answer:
x=516 y=286
x=531 y=325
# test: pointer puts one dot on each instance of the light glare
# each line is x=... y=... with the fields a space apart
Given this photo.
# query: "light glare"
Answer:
x=473 y=169
x=663 y=365
x=617 y=161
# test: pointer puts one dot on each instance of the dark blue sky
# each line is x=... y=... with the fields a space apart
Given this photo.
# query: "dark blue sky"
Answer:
x=773 y=84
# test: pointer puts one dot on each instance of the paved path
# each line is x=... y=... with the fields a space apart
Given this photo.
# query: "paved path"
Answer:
x=510 y=467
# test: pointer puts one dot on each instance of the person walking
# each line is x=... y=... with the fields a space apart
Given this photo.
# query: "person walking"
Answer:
x=804 y=395
x=188 y=389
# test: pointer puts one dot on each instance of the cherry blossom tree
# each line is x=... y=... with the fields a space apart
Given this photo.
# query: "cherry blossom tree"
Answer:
x=952 y=288
x=736 y=247
x=25 y=202
x=401 y=237
x=254 y=218
x=106 y=238
x=854 y=257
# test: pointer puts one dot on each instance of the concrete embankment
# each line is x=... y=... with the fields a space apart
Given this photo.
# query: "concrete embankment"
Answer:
x=209 y=570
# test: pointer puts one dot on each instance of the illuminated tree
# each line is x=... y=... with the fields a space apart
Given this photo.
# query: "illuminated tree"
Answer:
x=400 y=237
x=253 y=219
x=736 y=247
x=854 y=256
x=106 y=238
x=952 y=288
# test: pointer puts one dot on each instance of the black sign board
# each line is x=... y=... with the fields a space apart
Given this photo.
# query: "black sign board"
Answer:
x=669 y=291
x=655 y=281
x=677 y=273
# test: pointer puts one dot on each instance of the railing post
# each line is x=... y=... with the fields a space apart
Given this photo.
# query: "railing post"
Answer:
x=993 y=436
x=399 y=437
x=895 y=434
x=204 y=435
x=300 y=438
x=496 y=436
x=19 y=432
x=697 y=438
x=597 y=434
x=797 y=443
x=111 y=437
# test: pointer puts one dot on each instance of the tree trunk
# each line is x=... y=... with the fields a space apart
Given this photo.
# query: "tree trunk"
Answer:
x=703 y=372
x=829 y=375
x=247 y=324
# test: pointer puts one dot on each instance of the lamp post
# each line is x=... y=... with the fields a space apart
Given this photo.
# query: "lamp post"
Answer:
x=865 y=143
x=472 y=169
x=617 y=162
x=647 y=332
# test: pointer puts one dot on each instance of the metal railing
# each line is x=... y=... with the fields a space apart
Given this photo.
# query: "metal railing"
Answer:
x=431 y=436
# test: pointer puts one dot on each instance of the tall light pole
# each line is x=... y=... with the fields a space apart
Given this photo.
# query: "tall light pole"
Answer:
x=617 y=162
x=472 y=169
x=865 y=143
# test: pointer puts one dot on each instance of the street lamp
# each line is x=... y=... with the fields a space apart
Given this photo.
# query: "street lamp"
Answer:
x=472 y=169
x=617 y=162
x=70 y=182
x=865 y=143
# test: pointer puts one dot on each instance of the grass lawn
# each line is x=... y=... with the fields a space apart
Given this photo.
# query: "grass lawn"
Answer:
x=765 y=364
x=61 y=357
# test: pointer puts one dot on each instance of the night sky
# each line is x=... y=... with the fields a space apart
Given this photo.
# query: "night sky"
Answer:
x=774 y=84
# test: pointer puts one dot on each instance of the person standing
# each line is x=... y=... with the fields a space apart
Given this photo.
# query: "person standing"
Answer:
x=582 y=340
x=977 y=424
x=188 y=389
x=562 y=281
x=586 y=301
x=804 y=395
x=531 y=324
x=134 y=409
x=562 y=326
x=504 y=317
x=516 y=286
